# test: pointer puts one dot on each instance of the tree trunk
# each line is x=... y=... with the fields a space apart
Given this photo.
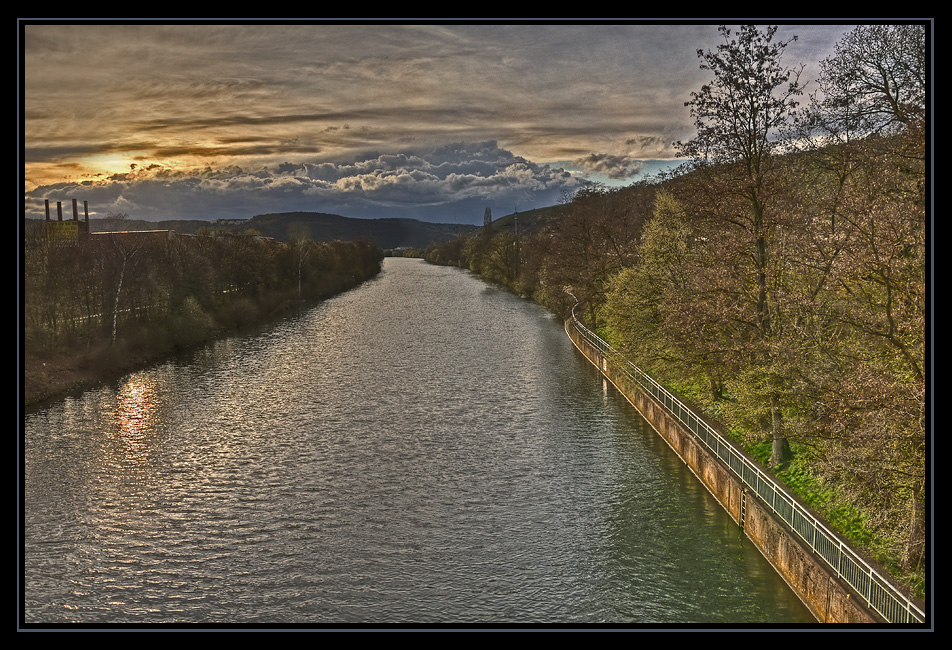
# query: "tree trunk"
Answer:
x=780 y=450
x=915 y=540
x=115 y=309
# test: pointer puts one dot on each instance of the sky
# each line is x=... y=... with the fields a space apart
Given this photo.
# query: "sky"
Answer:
x=434 y=121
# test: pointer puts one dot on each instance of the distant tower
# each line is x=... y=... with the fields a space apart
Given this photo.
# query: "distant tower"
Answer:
x=487 y=218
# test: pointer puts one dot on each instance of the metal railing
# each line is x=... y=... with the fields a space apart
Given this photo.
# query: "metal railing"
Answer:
x=879 y=593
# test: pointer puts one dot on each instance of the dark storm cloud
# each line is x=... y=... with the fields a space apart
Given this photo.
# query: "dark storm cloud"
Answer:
x=417 y=185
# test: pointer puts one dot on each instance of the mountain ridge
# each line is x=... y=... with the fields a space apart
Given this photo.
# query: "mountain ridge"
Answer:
x=385 y=232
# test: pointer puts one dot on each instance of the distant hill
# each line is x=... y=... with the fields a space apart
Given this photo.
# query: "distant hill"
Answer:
x=527 y=221
x=385 y=233
x=317 y=226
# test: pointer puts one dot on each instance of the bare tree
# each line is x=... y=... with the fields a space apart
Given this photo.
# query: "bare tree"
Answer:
x=876 y=80
x=115 y=221
x=122 y=253
x=740 y=117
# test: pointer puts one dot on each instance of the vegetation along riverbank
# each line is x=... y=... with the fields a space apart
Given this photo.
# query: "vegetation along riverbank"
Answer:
x=99 y=304
x=777 y=279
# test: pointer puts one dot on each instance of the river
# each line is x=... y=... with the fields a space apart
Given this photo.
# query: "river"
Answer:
x=424 y=449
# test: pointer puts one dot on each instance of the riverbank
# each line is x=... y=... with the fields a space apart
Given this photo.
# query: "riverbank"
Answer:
x=54 y=374
x=49 y=375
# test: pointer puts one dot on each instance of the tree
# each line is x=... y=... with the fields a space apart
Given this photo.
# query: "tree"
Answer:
x=300 y=240
x=876 y=80
x=650 y=306
x=122 y=254
x=115 y=221
x=741 y=116
x=751 y=99
x=596 y=235
x=866 y=127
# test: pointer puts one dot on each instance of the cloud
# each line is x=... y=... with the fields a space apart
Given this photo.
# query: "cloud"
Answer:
x=360 y=119
x=450 y=181
x=613 y=166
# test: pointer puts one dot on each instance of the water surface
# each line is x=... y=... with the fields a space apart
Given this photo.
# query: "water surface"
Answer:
x=424 y=449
